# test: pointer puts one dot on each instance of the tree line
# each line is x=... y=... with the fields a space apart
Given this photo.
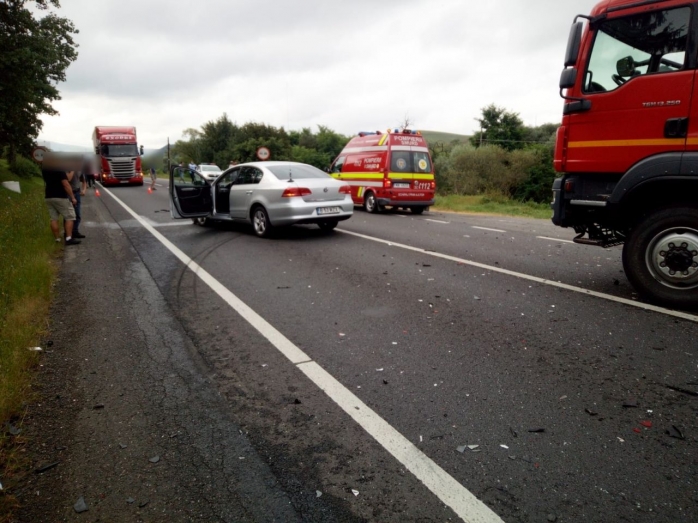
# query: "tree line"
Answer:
x=504 y=158
x=222 y=141
x=36 y=48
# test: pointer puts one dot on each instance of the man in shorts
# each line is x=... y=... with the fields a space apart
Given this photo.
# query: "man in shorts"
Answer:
x=59 y=197
x=153 y=178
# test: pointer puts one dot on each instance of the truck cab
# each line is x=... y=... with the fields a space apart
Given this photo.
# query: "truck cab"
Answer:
x=119 y=157
x=627 y=149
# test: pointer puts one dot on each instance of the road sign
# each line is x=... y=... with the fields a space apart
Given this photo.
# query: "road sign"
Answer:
x=263 y=153
x=38 y=154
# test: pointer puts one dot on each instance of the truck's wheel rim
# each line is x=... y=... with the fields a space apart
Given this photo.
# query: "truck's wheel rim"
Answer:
x=672 y=258
x=370 y=203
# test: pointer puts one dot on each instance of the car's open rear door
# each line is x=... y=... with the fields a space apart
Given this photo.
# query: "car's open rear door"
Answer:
x=190 y=193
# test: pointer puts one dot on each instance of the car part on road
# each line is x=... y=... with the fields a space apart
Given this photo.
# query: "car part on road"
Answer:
x=328 y=225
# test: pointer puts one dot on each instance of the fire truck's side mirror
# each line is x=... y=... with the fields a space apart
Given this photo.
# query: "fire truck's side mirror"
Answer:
x=625 y=67
x=141 y=150
x=568 y=78
x=573 y=44
x=97 y=149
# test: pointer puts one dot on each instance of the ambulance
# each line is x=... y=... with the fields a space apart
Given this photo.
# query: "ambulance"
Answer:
x=392 y=169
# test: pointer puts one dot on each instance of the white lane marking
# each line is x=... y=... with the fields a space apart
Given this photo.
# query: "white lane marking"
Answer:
x=435 y=221
x=436 y=479
x=559 y=285
x=487 y=229
x=165 y=224
x=553 y=239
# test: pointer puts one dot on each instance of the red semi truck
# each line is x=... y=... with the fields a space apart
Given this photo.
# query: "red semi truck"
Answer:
x=628 y=143
x=119 y=155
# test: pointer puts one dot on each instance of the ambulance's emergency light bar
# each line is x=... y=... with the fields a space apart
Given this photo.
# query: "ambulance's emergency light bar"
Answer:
x=396 y=131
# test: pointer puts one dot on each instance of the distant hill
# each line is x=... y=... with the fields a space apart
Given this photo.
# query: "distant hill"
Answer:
x=438 y=136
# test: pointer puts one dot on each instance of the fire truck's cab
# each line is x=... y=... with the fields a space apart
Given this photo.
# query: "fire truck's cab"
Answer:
x=628 y=144
x=392 y=169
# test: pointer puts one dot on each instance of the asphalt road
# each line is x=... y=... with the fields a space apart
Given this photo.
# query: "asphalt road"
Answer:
x=564 y=393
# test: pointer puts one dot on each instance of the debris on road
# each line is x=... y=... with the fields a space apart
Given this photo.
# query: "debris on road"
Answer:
x=154 y=459
x=143 y=503
x=646 y=423
x=80 y=505
x=620 y=439
x=355 y=492
x=630 y=403
x=98 y=406
x=318 y=494
x=538 y=430
x=552 y=518
x=513 y=432
x=123 y=445
x=461 y=448
x=682 y=390
x=474 y=447
x=636 y=430
x=504 y=446
x=379 y=370
x=130 y=501
x=591 y=412
x=12 y=430
x=44 y=468
x=674 y=432
x=35 y=349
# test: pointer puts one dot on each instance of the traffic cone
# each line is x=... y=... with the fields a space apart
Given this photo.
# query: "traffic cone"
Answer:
x=96 y=192
x=150 y=190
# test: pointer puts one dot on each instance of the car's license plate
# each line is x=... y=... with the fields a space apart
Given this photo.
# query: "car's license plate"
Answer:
x=328 y=210
x=400 y=185
x=123 y=181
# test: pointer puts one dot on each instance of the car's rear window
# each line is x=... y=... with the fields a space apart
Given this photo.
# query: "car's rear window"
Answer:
x=297 y=172
x=210 y=168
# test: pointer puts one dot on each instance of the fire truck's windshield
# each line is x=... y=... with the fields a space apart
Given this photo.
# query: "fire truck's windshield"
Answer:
x=128 y=149
x=636 y=45
x=410 y=162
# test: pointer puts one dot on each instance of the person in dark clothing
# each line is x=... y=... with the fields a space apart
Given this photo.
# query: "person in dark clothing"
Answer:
x=79 y=186
x=89 y=172
x=59 y=199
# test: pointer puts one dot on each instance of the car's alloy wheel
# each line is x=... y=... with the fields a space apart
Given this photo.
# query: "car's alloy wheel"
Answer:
x=260 y=222
x=371 y=204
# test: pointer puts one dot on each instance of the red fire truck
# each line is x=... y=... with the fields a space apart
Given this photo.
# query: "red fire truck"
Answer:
x=628 y=143
x=392 y=169
x=118 y=155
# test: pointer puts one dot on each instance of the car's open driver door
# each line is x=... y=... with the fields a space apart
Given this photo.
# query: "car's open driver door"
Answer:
x=190 y=193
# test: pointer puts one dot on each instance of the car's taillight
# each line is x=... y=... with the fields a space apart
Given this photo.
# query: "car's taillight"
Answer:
x=292 y=192
x=433 y=186
x=345 y=189
x=387 y=183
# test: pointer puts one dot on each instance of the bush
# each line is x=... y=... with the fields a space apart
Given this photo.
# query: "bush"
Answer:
x=25 y=168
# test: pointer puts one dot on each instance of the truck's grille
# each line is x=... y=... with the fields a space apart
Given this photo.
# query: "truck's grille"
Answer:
x=122 y=167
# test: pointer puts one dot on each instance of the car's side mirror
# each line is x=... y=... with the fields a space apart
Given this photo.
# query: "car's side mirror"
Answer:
x=141 y=150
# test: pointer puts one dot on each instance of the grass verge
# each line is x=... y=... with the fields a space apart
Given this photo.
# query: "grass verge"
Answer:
x=27 y=271
x=489 y=204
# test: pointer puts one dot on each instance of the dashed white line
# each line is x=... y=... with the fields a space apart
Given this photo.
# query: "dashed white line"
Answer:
x=487 y=229
x=436 y=479
x=553 y=239
x=551 y=283
x=435 y=221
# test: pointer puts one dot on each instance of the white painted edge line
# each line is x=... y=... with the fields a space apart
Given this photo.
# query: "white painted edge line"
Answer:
x=553 y=239
x=536 y=279
x=435 y=221
x=487 y=229
x=436 y=479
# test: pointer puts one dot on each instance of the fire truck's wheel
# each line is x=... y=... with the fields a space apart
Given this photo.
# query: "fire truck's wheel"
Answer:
x=202 y=222
x=417 y=210
x=260 y=222
x=660 y=257
x=371 y=203
x=328 y=225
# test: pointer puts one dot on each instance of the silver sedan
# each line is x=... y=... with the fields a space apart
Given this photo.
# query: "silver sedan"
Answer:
x=265 y=194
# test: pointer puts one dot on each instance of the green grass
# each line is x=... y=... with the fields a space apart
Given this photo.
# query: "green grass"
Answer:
x=27 y=271
x=488 y=204
x=433 y=137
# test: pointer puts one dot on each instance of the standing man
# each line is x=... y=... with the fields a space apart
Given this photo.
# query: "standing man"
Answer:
x=153 y=178
x=59 y=198
x=78 y=186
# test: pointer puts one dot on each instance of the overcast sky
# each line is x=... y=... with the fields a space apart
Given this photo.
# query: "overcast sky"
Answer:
x=352 y=65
